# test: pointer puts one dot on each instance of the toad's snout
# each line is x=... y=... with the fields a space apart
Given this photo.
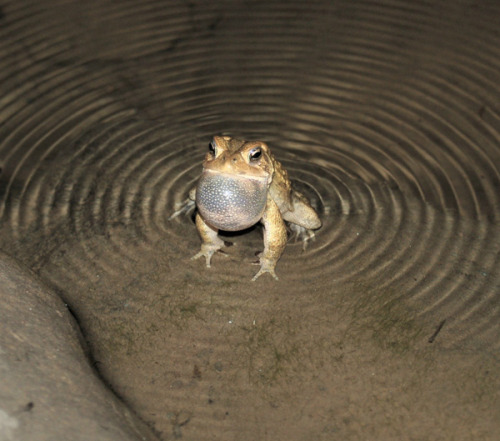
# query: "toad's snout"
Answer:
x=231 y=202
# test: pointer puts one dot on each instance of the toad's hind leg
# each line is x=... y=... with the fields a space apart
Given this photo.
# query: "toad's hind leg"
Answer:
x=187 y=206
x=211 y=241
x=303 y=219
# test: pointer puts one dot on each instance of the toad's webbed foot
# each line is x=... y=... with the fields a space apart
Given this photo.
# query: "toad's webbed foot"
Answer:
x=301 y=233
x=266 y=266
x=186 y=207
x=207 y=251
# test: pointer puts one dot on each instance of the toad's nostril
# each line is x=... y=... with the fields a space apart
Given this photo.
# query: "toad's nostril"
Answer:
x=235 y=159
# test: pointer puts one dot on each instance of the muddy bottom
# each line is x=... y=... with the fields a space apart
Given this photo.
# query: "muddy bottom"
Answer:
x=386 y=114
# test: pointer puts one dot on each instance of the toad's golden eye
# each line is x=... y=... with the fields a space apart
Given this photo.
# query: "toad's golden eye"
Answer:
x=212 y=148
x=255 y=154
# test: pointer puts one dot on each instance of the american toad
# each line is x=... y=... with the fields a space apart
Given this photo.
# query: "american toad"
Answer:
x=241 y=184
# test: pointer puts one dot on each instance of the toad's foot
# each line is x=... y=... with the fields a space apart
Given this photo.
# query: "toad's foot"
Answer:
x=266 y=266
x=303 y=234
x=207 y=253
x=209 y=249
x=186 y=207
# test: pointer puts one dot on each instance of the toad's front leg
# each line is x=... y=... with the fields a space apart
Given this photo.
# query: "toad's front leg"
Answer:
x=211 y=241
x=274 y=239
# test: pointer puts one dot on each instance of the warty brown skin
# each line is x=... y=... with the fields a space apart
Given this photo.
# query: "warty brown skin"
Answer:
x=243 y=160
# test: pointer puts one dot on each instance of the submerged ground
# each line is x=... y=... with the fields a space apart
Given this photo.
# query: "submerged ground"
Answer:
x=385 y=113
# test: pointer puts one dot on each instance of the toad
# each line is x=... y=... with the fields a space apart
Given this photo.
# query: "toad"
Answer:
x=243 y=184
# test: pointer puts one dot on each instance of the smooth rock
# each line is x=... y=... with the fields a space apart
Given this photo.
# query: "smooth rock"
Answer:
x=48 y=387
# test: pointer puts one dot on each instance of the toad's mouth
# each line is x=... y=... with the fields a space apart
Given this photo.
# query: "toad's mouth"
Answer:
x=227 y=175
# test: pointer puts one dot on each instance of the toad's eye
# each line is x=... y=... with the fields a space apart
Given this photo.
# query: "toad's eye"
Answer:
x=255 y=154
x=211 y=148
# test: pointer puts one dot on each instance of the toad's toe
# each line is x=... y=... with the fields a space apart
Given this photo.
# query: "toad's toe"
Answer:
x=303 y=234
x=267 y=266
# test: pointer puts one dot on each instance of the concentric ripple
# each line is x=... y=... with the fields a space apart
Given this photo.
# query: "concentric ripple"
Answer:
x=400 y=146
x=386 y=113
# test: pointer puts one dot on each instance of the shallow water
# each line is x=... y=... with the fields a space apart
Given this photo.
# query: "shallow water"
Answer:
x=386 y=113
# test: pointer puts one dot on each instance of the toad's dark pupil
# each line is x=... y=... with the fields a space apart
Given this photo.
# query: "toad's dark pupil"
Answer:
x=255 y=154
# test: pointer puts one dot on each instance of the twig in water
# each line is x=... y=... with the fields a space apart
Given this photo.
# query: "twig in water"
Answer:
x=437 y=331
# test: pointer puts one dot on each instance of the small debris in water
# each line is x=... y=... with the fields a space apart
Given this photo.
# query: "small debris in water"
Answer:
x=437 y=331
